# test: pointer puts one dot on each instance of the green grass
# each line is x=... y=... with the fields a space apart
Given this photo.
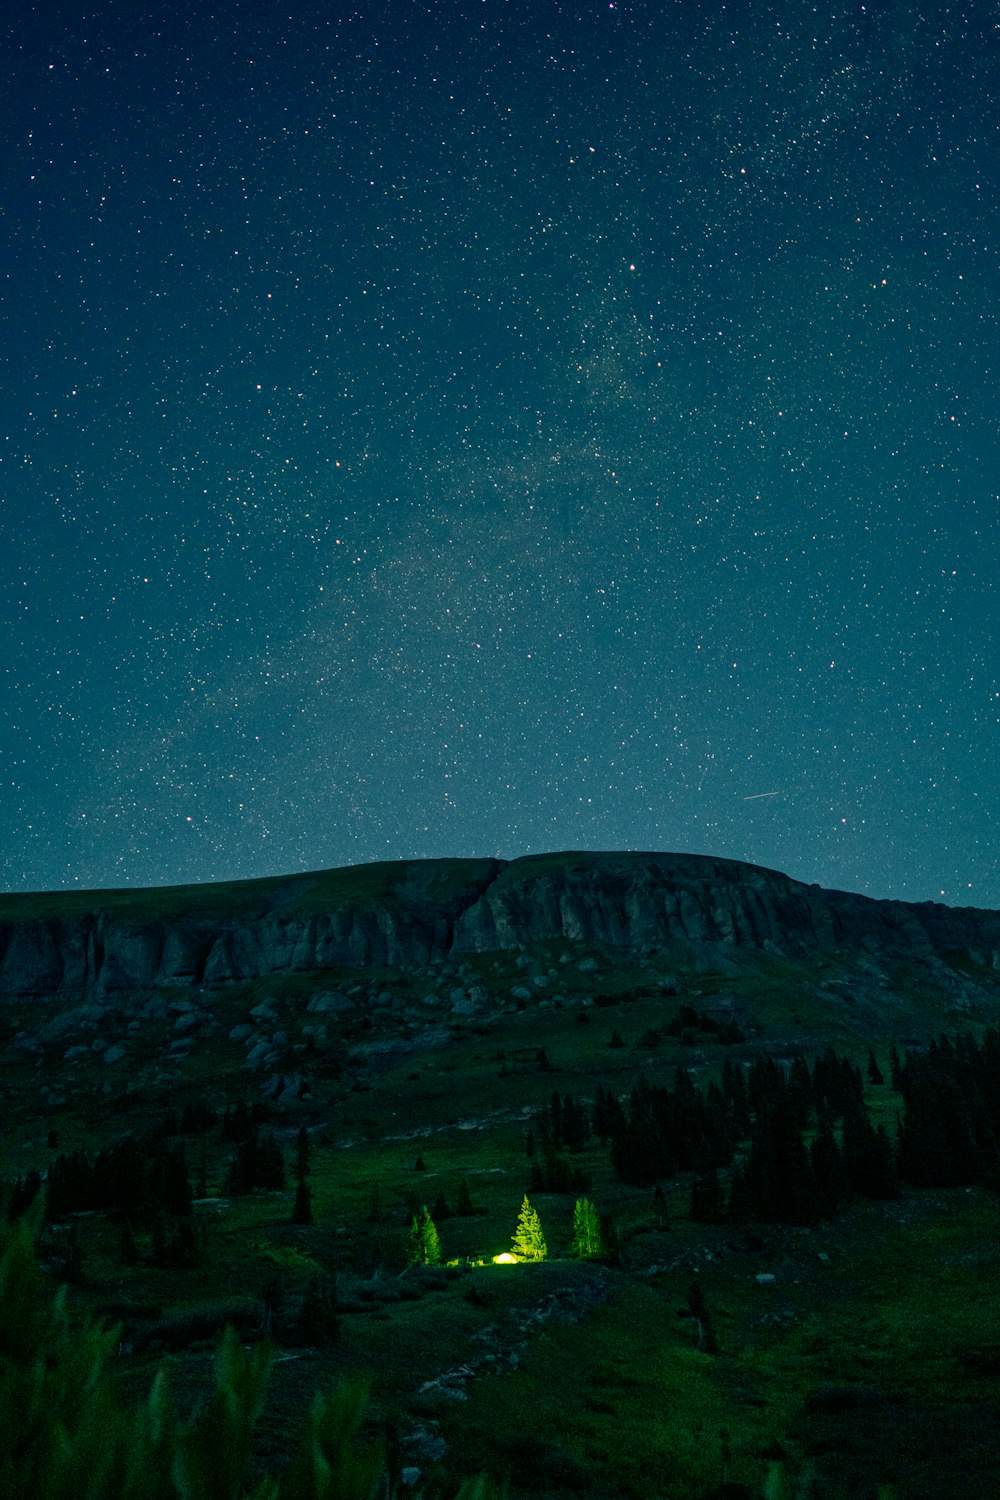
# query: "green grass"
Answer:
x=389 y=883
x=619 y=1402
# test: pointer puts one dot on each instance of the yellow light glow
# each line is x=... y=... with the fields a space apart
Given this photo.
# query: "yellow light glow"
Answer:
x=506 y=1259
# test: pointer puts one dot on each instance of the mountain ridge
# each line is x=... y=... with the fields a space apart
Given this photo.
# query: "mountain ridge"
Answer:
x=82 y=945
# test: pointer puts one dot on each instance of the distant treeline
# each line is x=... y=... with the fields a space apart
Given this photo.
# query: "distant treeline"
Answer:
x=142 y=1178
x=796 y=1141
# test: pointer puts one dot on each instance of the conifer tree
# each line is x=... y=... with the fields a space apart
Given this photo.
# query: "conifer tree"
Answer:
x=868 y=1157
x=779 y=1172
x=875 y=1074
x=799 y=1091
x=464 y=1207
x=833 y=1188
x=302 y=1212
x=302 y=1155
x=587 y=1237
x=529 y=1240
x=698 y=1310
x=708 y=1200
x=575 y=1126
x=425 y=1243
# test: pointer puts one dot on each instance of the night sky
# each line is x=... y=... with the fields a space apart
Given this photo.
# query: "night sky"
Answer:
x=491 y=427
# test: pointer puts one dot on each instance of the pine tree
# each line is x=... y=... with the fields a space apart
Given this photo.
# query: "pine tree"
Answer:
x=660 y=1207
x=833 y=1188
x=302 y=1212
x=424 y=1248
x=868 y=1157
x=465 y=1207
x=587 y=1237
x=708 y=1199
x=575 y=1125
x=875 y=1074
x=779 y=1173
x=302 y=1155
x=697 y=1309
x=529 y=1240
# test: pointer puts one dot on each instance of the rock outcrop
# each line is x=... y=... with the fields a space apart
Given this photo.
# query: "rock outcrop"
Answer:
x=662 y=900
x=82 y=946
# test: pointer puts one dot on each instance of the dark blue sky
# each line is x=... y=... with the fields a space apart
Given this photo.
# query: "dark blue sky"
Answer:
x=491 y=427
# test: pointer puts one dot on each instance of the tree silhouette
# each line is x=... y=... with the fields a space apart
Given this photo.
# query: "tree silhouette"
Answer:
x=697 y=1309
x=302 y=1212
x=708 y=1200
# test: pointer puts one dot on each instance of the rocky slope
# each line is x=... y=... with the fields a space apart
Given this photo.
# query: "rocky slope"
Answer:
x=84 y=945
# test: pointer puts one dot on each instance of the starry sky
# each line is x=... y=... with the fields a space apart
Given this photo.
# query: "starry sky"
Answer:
x=496 y=426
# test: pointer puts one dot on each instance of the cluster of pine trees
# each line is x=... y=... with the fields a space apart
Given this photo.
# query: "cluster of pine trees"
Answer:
x=785 y=1180
x=194 y=1119
x=136 y=1178
x=799 y=1139
x=666 y=1130
x=560 y=1131
x=950 y=1131
x=257 y=1163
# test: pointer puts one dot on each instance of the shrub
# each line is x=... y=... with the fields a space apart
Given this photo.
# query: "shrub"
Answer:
x=63 y=1434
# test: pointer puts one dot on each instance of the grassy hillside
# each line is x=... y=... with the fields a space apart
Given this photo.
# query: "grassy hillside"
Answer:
x=859 y=1352
x=392 y=882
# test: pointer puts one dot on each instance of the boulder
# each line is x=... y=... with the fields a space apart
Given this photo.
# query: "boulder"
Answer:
x=330 y=1003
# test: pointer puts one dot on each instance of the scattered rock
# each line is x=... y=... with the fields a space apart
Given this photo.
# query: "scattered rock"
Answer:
x=155 y=1009
x=330 y=1003
x=283 y=1087
x=79 y=1018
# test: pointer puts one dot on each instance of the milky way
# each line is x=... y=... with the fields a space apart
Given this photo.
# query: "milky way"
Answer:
x=483 y=429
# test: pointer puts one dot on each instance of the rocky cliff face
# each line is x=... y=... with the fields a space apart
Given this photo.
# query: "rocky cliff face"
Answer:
x=64 y=947
x=658 y=900
x=79 y=947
